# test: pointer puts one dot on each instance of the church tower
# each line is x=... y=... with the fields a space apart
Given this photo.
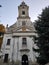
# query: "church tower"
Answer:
x=23 y=16
x=18 y=40
x=23 y=11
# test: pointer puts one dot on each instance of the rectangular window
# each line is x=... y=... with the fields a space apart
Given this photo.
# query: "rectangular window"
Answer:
x=8 y=41
x=24 y=41
x=23 y=23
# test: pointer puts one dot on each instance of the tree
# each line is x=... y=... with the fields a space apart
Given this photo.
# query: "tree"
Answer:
x=42 y=41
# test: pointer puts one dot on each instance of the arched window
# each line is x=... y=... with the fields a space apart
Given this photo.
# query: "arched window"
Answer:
x=23 y=12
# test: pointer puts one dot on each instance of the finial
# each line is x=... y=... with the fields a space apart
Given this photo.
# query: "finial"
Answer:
x=23 y=3
x=7 y=26
x=22 y=0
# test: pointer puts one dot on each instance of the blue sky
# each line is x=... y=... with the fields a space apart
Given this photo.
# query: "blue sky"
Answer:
x=9 y=10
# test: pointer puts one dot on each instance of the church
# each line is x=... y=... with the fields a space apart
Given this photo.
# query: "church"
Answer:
x=18 y=41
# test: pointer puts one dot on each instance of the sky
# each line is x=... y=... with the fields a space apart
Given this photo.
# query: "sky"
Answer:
x=9 y=10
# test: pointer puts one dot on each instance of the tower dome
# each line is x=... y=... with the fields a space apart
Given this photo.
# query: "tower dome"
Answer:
x=23 y=3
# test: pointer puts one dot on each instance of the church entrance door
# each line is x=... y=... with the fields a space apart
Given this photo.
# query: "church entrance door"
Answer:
x=24 y=60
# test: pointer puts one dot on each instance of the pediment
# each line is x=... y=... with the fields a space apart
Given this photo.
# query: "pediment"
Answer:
x=13 y=28
x=24 y=29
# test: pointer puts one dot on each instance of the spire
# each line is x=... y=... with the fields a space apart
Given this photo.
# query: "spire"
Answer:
x=23 y=3
x=6 y=27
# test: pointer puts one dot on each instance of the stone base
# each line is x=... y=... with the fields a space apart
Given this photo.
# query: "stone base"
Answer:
x=16 y=63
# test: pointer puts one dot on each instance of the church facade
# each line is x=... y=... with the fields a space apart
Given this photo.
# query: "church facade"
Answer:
x=18 y=41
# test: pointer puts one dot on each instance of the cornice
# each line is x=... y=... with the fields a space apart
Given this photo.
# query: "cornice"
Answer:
x=26 y=17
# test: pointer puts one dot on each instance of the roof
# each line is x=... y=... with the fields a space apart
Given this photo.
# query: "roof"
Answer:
x=23 y=4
